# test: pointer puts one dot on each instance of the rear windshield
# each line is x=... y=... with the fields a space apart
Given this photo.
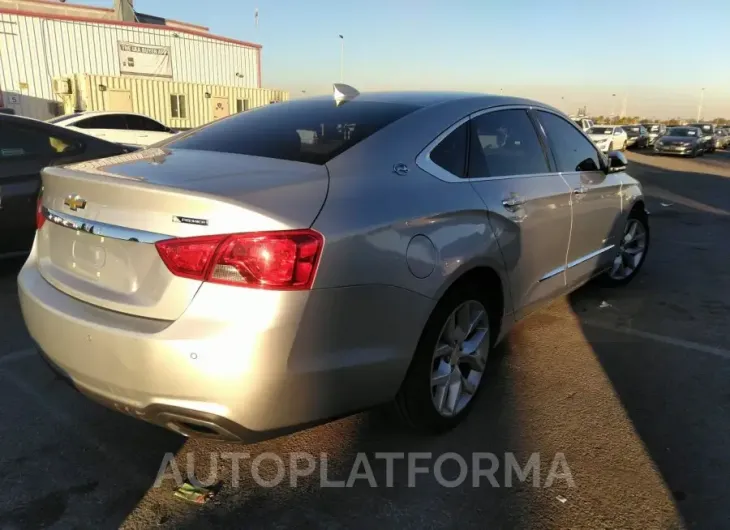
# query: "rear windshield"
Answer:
x=706 y=127
x=653 y=128
x=600 y=130
x=632 y=131
x=313 y=131
x=59 y=119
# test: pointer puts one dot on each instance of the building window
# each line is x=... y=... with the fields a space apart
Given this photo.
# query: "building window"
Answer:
x=177 y=106
x=241 y=105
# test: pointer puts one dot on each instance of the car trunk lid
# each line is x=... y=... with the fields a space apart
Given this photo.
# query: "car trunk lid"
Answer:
x=104 y=216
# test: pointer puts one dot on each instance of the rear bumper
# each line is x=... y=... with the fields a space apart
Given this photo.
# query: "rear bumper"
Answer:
x=242 y=364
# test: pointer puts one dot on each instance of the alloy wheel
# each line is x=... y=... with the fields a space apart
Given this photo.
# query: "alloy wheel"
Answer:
x=631 y=251
x=459 y=358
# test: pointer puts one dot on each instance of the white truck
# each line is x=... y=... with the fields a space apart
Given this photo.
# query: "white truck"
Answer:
x=583 y=123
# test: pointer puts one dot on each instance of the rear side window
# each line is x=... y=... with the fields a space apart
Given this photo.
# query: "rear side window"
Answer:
x=505 y=143
x=112 y=121
x=450 y=154
x=573 y=151
x=313 y=131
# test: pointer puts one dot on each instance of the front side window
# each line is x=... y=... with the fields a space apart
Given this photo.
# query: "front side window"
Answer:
x=450 y=153
x=308 y=130
x=573 y=151
x=107 y=121
x=505 y=143
x=17 y=142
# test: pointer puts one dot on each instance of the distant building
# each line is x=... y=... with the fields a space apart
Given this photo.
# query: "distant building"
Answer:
x=42 y=41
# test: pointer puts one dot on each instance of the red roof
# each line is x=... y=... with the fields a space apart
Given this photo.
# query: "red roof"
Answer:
x=120 y=23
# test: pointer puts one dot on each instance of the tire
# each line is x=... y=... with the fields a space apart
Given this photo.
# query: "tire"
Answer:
x=623 y=148
x=610 y=147
x=418 y=398
x=618 y=276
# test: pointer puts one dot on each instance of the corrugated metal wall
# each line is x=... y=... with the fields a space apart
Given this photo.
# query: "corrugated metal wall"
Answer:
x=34 y=50
x=152 y=97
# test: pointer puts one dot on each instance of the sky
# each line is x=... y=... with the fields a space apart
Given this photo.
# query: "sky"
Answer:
x=656 y=56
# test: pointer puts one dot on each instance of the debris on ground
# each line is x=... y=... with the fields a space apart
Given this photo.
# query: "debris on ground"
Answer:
x=562 y=499
x=196 y=495
x=604 y=305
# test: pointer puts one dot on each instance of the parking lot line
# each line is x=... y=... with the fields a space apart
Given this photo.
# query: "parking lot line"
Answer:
x=664 y=339
x=17 y=355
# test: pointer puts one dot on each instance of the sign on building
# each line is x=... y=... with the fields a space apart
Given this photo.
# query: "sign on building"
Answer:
x=144 y=59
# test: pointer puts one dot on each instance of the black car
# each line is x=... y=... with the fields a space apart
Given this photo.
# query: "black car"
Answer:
x=683 y=141
x=26 y=147
x=638 y=136
x=708 y=135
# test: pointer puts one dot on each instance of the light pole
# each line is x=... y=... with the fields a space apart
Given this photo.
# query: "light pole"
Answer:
x=699 y=108
x=342 y=57
x=613 y=108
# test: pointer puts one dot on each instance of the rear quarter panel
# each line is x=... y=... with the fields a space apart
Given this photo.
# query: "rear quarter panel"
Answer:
x=372 y=214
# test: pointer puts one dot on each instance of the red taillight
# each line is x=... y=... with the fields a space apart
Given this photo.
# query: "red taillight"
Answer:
x=285 y=260
x=39 y=217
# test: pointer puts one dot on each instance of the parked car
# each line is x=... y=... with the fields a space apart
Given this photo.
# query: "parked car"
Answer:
x=656 y=130
x=722 y=139
x=121 y=127
x=608 y=137
x=26 y=147
x=274 y=269
x=584 y=123
x=637 y=136
x=683 y=141
x=708 y=135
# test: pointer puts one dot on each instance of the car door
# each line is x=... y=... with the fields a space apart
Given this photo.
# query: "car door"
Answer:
x=596 y=197
x=146 y=131
x=110 y=127
x=527 y=200
x=25 y=150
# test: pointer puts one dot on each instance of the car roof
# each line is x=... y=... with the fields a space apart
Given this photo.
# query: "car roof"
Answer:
x=424 y=99
x=89 y=113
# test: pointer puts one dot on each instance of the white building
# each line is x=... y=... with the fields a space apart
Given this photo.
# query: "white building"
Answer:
x=41 y=40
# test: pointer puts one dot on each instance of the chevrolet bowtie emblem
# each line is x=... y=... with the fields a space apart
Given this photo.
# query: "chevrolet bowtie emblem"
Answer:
x=74 y=202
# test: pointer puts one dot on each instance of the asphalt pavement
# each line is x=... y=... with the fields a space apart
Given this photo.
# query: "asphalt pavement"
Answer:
x=630 y=386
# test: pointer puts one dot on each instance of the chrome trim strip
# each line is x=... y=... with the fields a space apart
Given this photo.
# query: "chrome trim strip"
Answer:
x=589 y=256
x=552 y=273
x=99 y=228
x=575 y=263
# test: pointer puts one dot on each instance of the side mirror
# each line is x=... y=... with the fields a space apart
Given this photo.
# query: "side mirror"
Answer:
x=617 y=162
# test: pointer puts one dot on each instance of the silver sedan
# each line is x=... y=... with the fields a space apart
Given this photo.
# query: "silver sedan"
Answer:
x=309 y=259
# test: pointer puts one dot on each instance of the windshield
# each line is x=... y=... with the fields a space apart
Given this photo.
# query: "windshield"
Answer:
x=313 y=131
x=682 y=131
x=600 y=130
x=653 y=128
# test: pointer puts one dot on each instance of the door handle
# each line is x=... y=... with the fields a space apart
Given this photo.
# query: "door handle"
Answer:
x=513 y=203
x=580 y=191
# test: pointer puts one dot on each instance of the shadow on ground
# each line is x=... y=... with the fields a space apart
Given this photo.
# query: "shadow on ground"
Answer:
x=676 y=397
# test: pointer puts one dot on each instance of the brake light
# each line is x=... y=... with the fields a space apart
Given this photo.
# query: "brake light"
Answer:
x=282 y=260
x=39 y=217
